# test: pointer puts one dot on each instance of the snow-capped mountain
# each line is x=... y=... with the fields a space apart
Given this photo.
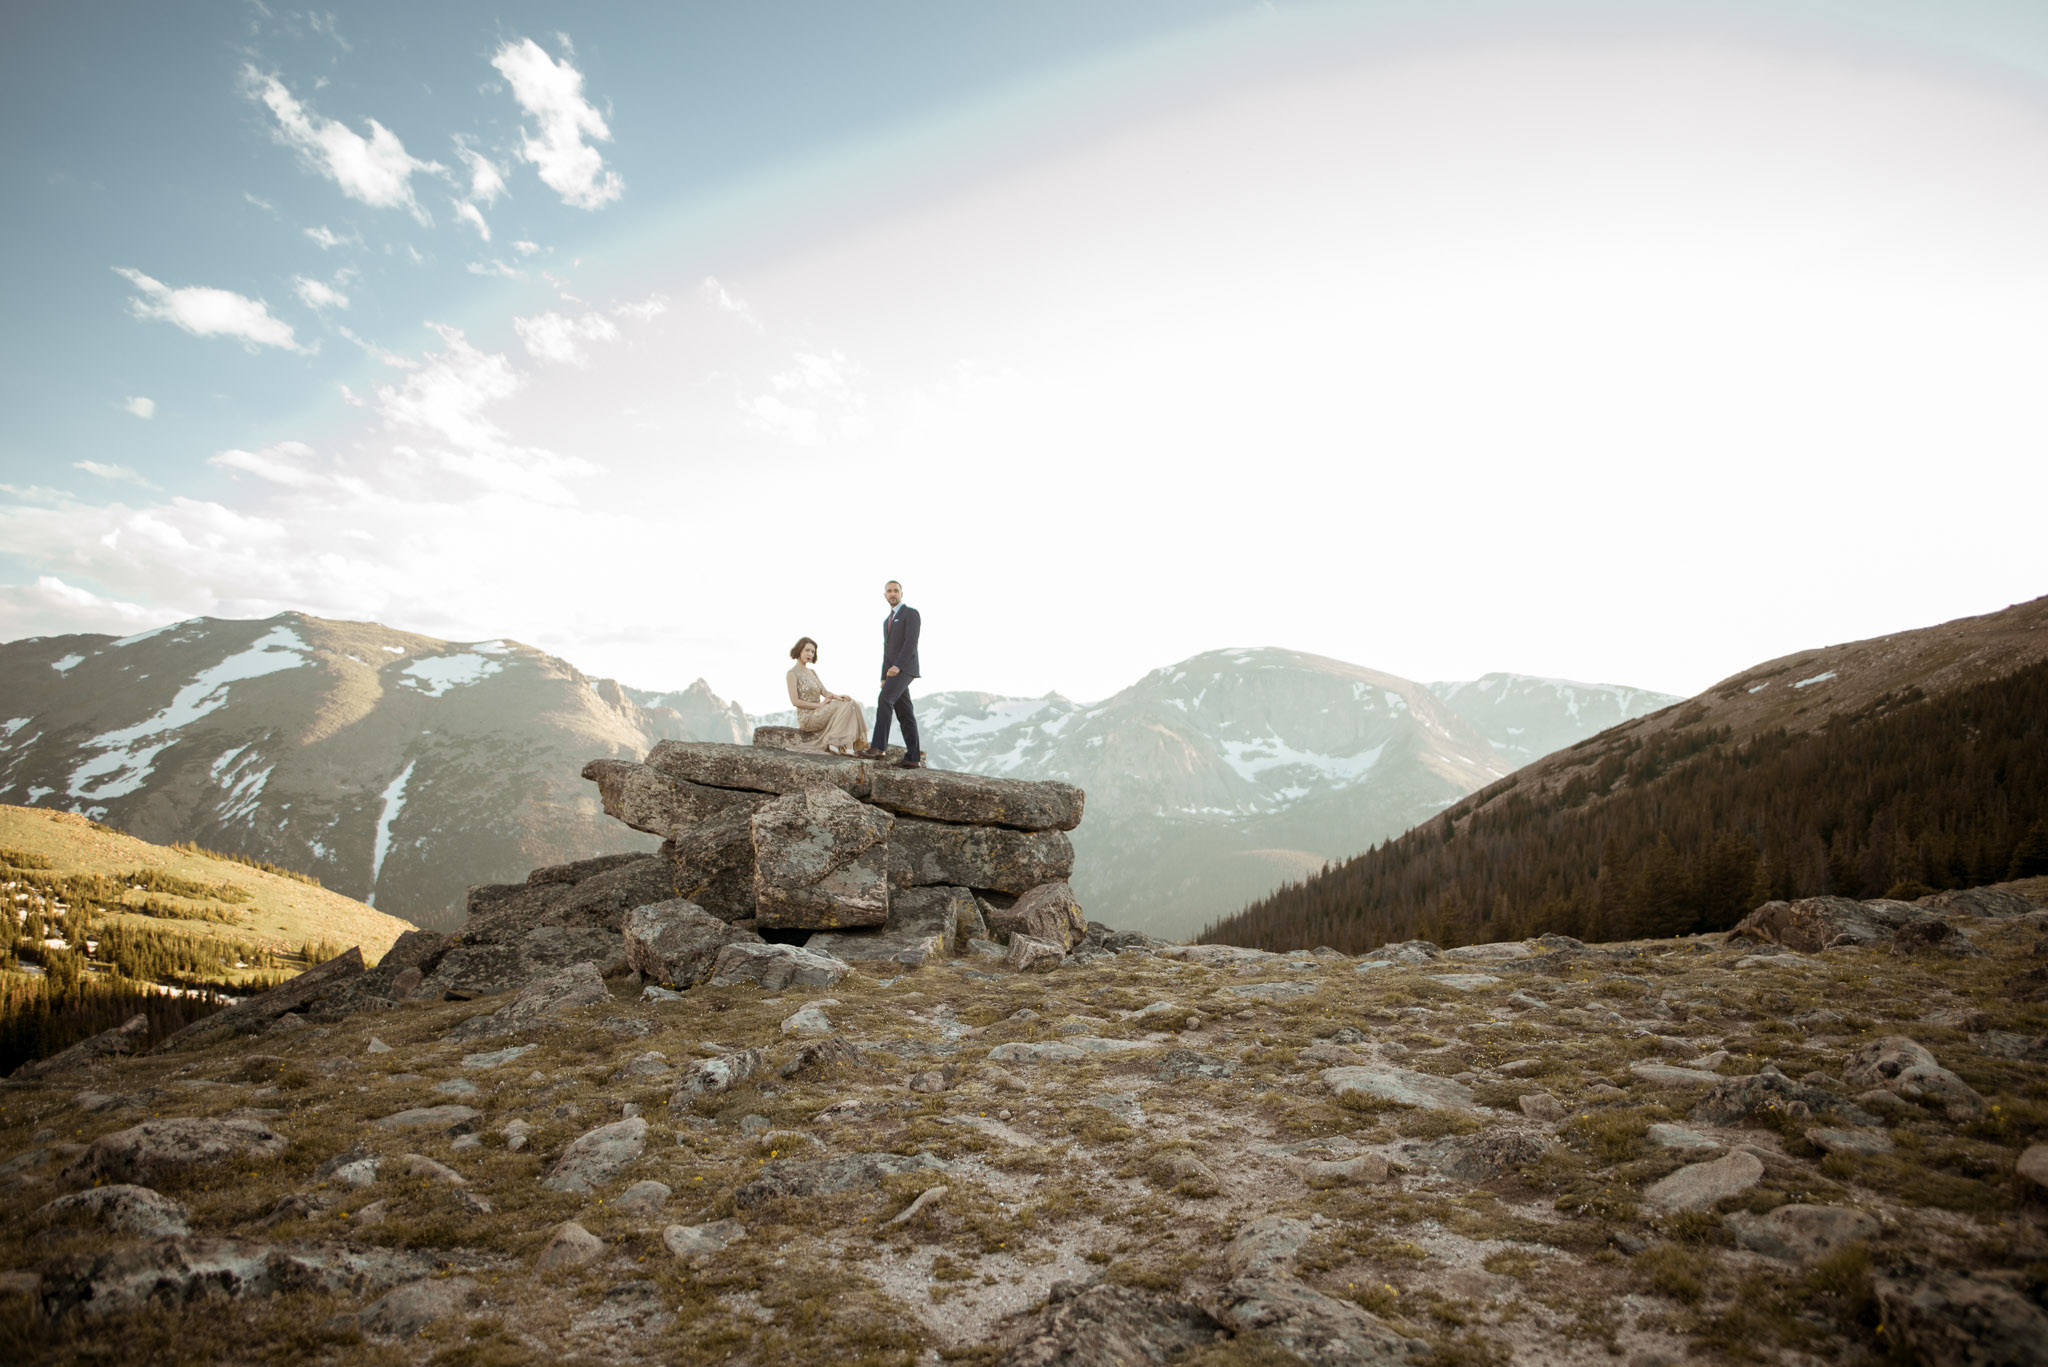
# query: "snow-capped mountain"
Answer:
x=397 y=768
x=1212 y=781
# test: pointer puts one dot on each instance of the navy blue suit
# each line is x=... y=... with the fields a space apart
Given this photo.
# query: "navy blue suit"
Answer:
x=899 y=648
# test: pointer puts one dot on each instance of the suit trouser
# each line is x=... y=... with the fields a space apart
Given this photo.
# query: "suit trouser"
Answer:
x=895 y=698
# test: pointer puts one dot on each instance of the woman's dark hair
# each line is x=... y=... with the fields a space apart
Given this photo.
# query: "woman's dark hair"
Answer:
x=796 y=652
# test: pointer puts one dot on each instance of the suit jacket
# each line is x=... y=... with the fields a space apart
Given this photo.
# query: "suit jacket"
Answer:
x=899 y=642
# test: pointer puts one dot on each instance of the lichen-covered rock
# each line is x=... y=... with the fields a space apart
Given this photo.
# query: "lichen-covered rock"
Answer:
x=976 y=800
x=172 y=1272
x=255 y=1013
x=126 y=1209
x=1310 y=1325
x=1108 y=1326
x=696 y=1241
x=821 y=861
x=648 y=800
x=708 y=1077
x=776 y=967
x=1902 y=1067
x=1799 y=1233
x=712 y=863
x=1812 y=924
x=920 y=929
x=1028 y=954
x=538 y=1004
x=830 y=1176
x=570 y=1245
x=1979 y=902
x=677 y=943
x=1489 y=1154
x=1736 y=1099
x=145 y=1153
x=756 y=768
x=1424 y=1091
x=928 y=852
x=1700 y=1185
x=597 y=1156
x=1406 y=952
x=1951 y=1319
x=1047 y=912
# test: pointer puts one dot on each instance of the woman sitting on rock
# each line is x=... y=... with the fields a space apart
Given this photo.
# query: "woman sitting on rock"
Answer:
x=831 y=721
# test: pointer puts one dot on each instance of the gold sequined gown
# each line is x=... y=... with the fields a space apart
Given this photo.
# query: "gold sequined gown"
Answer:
x=837 y=724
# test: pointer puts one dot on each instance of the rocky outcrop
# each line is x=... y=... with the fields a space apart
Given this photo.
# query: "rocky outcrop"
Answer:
x=292 y=995
x=677 y=943
x=539 y=1003
x=1047 y=912
x=1812 y=924
x=155 y=1149
x=124 y=1039
x=926 y=852
x=648 y=800
x=972 y=800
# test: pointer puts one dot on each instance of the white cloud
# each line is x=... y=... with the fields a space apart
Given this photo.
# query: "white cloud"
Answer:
x=496 y=268
x=326 y=237
x=376 y=170
x=139 y=406
x=51 y=607
x=287 y=464
x=380 y=355
x=486 y=181
x=554 y=336
x=814 y=399
x=526 y=248
x=725 y=303
x=206 y=312
x=118 y=473
x=260 y=202
x=552 y=92
x=653 y=306
x=473 y=216
x=316 y=295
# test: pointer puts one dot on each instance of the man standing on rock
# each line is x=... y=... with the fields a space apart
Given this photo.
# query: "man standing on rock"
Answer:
x=899 y=667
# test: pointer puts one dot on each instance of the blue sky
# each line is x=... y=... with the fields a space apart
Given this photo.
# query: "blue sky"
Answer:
x=1439 y=338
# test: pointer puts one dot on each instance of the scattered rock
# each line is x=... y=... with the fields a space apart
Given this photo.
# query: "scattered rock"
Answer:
x=1541 y=1106
x=1940 y=937
x=1186 y=1063
x=1400 y=1086
x=1664 y=1075
x=810 y=1020
x=2033 y=1164
x=1489 y=1154
x=170 y=1272
x=920 y=929
x=571 y=1245
x=937 y=1079
x=822 y=1058
x=643 y=1198
x=1364 y=1170
x=154 y=1149
x=677 y=943
x=1272 y=992
x=1701 y=1185
x=405 y=1310
x=691 y=1241
x=1898 y=1065
x=1266 y=1247
x=1812 y=924
x=1858 y=1143
x=125 y=1209
x=1950 y=1319
x=378 y=1046
x=539 y=1003
x=1733 y=1100
x=805 y=1177
x=1310 y=1325
x=497 y=1058
x=1995 y=902
x=1464 y=982
x=1667 y=1136
x=1028 y=954
x=652 y=1064
x=252 y=1014
x=598 y=1156
x=450 y=1119
x=709 y=1076
x=1047 y=912
x=1108 y=1326
x=1800 y=1233
x=1406 y=952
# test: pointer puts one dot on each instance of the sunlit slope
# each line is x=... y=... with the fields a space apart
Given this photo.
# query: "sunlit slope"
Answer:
x=281 y=913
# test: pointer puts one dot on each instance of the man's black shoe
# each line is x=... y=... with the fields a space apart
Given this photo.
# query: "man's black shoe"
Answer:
x=871 y=753
x=910 y=762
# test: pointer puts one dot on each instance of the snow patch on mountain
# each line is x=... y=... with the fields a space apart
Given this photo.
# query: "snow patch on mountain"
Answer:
x=67 y=664
x=128 y=755
x=394 y=803
x=439 y=674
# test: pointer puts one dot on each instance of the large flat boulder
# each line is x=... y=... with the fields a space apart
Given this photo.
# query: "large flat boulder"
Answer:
x=488 y=969
x=712 y=863
x=923 y=853
x=796 y=738
x=1979 y=902
x=775 y=967
x=920 y=928
x=676 y=943
x=977 y=800
x=144 y=1154
x=821 y=861
x=756 y=768
x=649 y=800
x=538 y=1004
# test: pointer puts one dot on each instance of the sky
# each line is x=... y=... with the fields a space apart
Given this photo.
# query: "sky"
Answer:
x=1626 y=342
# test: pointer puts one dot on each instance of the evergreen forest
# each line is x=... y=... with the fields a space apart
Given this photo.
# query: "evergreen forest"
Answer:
x=1686 y=830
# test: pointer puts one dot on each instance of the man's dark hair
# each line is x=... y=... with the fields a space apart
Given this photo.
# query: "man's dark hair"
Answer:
x=796 y=652
x=897 y=582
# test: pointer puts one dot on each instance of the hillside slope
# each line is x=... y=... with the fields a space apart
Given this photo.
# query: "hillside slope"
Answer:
x=279 y=912
x=1919 y=757
x=397 y=768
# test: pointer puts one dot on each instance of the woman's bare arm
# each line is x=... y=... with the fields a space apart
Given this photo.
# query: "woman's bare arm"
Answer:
x=794 y=701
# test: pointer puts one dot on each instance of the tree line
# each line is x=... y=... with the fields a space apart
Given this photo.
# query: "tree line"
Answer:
x=1687 y=831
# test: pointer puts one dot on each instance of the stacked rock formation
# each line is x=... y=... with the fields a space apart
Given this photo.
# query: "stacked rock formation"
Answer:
x=881 y=865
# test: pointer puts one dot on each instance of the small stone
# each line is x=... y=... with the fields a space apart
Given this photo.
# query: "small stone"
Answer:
x=405 y=1310
x=1856 y=1143
x=157 y=1148
x=710 y=1076
x=496 y=1057
x=2033 y=1164
x=571 y=1245
x=419 y=1165
x=516 y=1133
x=1027 y=954
x=1801 y=1233
x=127 y=1209
x=643 y=1198
x=598 y=1156
x=691 y=1241
x=1699 y=1186
x=1541 y=1106
x=1664 y=1075
x=456 y=1086
x=1363 y=1170
x=1400 y=1086
x=776 y=968
x=1465 y=982
x=751 y=1125
x=936 y=1080
x=378 y=1046
x=811 y=1021
x=1667 y=1136
x=465 y=1142
x=453 y=1119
